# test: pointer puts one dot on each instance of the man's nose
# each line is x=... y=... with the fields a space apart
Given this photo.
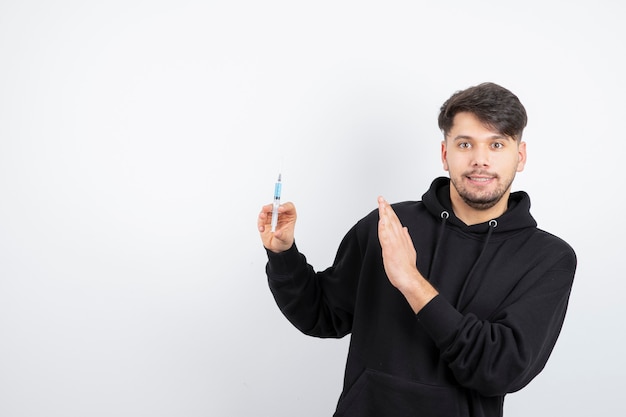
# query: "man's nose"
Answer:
x=480 y=157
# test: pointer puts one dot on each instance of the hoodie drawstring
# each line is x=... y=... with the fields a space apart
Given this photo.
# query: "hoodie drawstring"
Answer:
x=492 y=225
x=442 y=227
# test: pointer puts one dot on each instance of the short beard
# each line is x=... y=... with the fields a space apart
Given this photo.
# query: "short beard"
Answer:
x=481 y=202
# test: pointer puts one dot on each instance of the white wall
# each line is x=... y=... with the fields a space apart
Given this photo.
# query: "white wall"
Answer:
x=139 y=139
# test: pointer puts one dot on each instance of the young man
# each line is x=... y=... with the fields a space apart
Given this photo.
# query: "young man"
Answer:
x=452 y=301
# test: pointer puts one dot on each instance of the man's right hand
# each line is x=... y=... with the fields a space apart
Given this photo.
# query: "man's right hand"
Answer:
x=281 y=239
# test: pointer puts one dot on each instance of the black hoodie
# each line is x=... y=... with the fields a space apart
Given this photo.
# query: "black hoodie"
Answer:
x=503 y=289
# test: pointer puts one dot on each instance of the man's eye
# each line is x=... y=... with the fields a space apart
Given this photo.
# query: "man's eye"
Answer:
x=498 y=145
x=464 y=145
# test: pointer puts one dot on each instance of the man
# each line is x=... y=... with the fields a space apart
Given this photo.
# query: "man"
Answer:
x=452 y=301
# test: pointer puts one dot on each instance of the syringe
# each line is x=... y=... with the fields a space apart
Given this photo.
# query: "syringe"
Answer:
x=277 y=189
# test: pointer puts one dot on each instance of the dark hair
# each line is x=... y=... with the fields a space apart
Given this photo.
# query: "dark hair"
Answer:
x=492 y=104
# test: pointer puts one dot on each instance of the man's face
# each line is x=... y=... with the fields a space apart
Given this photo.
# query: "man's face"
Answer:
x=481 y=162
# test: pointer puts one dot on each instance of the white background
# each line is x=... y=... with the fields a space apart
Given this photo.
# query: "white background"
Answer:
x=139 y=139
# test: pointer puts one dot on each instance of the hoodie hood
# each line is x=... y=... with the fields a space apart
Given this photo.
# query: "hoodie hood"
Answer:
x=517 y=216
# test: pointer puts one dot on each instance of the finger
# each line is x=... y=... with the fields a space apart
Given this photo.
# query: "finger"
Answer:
x=391 y=212
x=408 y=242
x=263 y=219
x=388 y=216
x=261 y=222
x=264 y=216
x=385 y=207
x=288 y=206
x=382 y=214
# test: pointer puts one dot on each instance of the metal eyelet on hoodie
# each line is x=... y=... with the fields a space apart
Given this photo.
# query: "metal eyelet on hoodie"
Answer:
x=493 y=223
x=445 y=214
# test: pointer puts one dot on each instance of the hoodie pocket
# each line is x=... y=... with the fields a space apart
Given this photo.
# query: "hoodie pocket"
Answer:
x=377 y=394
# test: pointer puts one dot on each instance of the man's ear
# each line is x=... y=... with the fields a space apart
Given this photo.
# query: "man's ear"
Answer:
x=444 y=155
x=521 y=150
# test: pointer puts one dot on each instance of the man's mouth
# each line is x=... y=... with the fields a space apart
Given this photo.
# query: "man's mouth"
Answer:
x=480 y=178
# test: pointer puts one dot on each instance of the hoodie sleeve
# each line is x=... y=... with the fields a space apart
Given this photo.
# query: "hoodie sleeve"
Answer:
x=317 y=303
x=506 y=352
